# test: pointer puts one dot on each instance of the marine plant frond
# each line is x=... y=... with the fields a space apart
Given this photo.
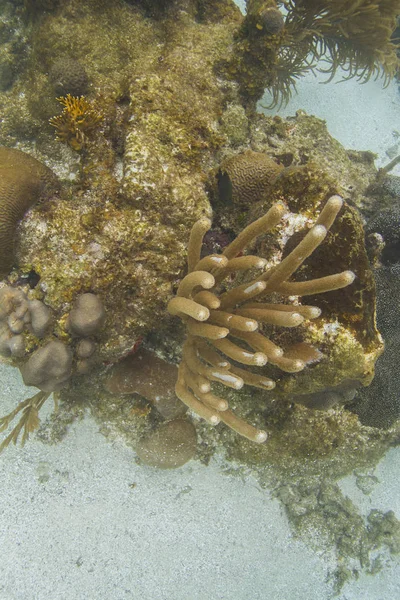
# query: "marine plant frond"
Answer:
x=289 y=68
x=28 y=422
x=353 y=35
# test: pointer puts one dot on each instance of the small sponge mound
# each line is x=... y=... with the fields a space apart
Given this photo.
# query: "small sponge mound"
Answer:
x=40 y=317
x=264 y=18
x=87 y=315
x=23 y=182
x=68 y=76
x=49 y=367
x=170 y=446
x=85 y=348
x=18 y=314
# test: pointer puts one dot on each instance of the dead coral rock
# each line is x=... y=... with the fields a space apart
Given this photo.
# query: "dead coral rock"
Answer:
x=170 y=446
x=256 y=50
x=49 y=367
x=146 y=374
x=23 y=182
x=304 y=141
x=87 y=315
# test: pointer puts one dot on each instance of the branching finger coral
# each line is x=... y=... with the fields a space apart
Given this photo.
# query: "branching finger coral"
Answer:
x=225 y=327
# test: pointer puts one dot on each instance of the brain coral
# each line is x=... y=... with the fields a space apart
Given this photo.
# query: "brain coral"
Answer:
x=23 y=182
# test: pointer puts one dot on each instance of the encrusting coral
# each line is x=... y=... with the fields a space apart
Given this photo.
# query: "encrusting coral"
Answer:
x=211 y=316
x=146 y=374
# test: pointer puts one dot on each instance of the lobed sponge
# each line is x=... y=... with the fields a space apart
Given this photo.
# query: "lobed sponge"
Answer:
x=87 y=315
x=18 y=314
x=49 y=367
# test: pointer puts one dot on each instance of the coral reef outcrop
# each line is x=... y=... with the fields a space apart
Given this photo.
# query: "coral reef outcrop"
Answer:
x=178 y=141
x=87 y=276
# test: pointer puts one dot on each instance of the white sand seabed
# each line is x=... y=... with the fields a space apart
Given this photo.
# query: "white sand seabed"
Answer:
x=71 y=526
